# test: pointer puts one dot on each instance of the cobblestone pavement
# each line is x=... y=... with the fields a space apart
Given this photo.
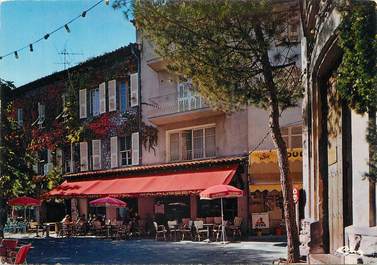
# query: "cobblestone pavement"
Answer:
x=147 y=251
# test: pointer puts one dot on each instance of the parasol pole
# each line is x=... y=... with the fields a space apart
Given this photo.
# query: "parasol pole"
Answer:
x=222 y=221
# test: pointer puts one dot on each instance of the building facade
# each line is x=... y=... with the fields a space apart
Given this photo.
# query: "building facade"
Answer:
x=140 y=133
x=340 y=203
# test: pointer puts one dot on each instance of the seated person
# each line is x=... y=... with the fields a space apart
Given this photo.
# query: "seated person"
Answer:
x=66 y=220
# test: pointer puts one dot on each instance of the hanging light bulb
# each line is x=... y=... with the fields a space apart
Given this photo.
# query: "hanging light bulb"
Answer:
x=107 y=2
x=16 y=54
x=83 y=14
x=31 y=47
x=46 y=36
x=67 y=28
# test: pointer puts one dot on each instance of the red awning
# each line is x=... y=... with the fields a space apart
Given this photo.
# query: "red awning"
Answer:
x=183 y=182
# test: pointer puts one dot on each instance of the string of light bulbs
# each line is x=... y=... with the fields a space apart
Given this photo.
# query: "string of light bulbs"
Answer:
x=30 y=46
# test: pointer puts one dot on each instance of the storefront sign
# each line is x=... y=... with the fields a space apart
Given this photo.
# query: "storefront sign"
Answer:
x=260 y=220
x=294 y=154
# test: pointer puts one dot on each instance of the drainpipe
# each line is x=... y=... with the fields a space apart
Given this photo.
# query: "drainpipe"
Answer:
x=135 y=50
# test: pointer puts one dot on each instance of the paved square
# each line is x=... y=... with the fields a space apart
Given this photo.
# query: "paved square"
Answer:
x=147 y=251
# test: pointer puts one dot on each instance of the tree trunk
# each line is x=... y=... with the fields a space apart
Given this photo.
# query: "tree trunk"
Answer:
x=285 y=179
x=286 y=185
x=3 y=215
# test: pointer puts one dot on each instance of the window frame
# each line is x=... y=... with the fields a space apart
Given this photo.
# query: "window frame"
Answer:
x=180 y=131
x=91 y=102
x=128 y=152
x=290 y=134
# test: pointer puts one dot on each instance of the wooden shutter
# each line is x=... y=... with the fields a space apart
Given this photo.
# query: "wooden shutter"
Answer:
x=59 y=159
x=96 y=154
x=114 y=151
x=83 y=156
x=82 y=102
x=102 y=98
x=112 y=95
x=134 y=87
x=135 y=148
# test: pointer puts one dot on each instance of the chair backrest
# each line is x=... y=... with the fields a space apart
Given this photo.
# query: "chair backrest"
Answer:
x=33 y=225
x=198 y=224
x=237 y=221
x=21 y=254
x=97 y=224
x=210 y=220
x=10 y=243
x=172 y=223
x=217 y=220
x=155 y=226
x=201 y=219
x=186 y=221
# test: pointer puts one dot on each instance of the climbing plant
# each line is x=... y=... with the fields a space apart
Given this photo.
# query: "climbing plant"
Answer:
x=357 y=73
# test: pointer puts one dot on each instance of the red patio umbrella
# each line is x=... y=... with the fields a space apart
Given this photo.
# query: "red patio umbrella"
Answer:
x=24 y=201
x=108 y=202
x=220 y=192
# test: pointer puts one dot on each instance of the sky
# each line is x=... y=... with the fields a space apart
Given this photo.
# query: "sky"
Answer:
x=23 y=21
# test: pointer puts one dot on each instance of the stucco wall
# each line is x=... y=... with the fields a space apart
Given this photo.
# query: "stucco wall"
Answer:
x=360 y=186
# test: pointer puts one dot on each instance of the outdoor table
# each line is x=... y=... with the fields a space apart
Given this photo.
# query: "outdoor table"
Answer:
x=209 y=228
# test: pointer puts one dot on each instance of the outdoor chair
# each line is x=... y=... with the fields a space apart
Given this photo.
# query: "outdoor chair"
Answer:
x=235 y=228
x=98 y=230
x=8 y=248
x=217 y=231
x=173 y=229
x=217 y=220
x=210 y=220
x=160 y=230
x=21 y=254
x=185 y=228
x=200 y=230
x=67 y=230
x=121 y=233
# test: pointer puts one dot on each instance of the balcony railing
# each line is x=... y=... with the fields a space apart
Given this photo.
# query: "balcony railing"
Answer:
x=173 y=104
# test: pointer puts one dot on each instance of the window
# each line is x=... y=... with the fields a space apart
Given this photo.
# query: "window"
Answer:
x=20 y=117
x=42 y=161
x=123 y=99
x=188 y=99
x=292 y=136
x=125 y=150
x=192 y=144
x=94 y=102
x=41 y=114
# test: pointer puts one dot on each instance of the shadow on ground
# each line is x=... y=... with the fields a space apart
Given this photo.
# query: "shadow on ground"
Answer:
x=94 y=251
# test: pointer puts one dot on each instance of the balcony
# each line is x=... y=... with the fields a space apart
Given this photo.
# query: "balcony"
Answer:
x=171 y=108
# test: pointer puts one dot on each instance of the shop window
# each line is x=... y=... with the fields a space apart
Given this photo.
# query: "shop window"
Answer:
x=192 y=144
x=292 y=136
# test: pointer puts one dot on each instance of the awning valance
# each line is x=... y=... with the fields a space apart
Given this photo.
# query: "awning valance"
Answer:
x=270 y=187
x=177 y=183
x=270 y=156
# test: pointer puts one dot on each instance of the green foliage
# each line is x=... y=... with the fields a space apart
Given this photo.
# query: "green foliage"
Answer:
x=357 y=72
x=16 y=172
x=213 y=42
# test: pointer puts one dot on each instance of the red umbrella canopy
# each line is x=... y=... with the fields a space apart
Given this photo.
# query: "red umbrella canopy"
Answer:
x=108 y=202
x=220 y=191
x=24 y=201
